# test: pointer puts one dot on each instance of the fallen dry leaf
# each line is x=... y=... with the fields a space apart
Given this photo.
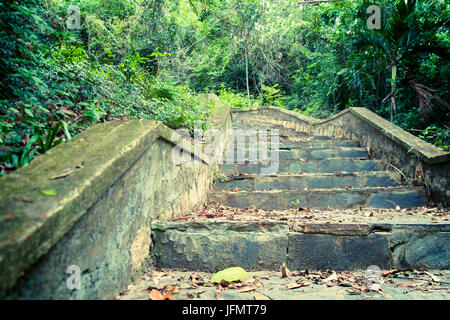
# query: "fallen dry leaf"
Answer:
x=62 y=175
x=333 y=277
x=224 y=283
x=433 y=277
x=258 y=284
x=375 y=287
x=171 y=288
x=345 y=284
x=388 y=273
x=303 y=284
x=354 y=292
x=259 y=296
x=170 y=293
x=405 y=285
x=197 y=280
x=293 y=286
x=247 y=289
x=237 y=284
x=156 y=295
x=284 y=271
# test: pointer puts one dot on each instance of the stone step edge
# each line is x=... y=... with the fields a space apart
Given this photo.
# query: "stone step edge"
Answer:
x=286 y=134
x=395 y=176
x=309 y=174
x=338 y=229
x=321 y=148
x=328 y=139
x=270 y=161
x=359 y=189
x=311 y=160
x=293 y=145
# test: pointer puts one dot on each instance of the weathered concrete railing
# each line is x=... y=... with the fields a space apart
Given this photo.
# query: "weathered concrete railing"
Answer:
x=418 y=161
x=114 y=179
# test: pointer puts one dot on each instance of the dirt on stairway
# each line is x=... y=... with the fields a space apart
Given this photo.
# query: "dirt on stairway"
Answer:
x=213 y=211
x=394 y=284
x=297 y=285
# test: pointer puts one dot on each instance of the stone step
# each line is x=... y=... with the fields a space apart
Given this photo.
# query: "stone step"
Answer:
x=212 y=246
x=216 y=246
x=298 y=154
x=336 y=165
x=247 y=125
x=318 y=144
x=307 y=144
x=301 y=140
x=322 y=199
x=310 y=181
x=255 y=121
x=283 y=133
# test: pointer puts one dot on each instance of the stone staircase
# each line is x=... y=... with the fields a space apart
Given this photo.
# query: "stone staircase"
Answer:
x=312 y=175
x=315 y=172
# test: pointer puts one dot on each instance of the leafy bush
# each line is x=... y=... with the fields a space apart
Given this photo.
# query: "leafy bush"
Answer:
x=54 y=88
x=440 y=137
x=272 y=96
x=238 y=100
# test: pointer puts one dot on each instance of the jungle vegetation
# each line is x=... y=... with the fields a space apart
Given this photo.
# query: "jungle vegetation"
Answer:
x=66 y=65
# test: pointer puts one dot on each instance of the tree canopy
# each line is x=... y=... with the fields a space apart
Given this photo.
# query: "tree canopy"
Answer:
x=152 y=59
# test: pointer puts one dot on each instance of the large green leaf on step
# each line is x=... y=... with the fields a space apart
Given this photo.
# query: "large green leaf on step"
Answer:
x=230 y=274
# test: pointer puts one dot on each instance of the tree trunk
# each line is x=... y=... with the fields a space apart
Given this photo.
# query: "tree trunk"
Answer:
x=393 y=85
x=246 y=72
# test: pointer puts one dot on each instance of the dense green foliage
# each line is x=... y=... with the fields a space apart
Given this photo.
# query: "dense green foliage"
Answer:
x=57 y=82
x=151 y=59
x=323 y=58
